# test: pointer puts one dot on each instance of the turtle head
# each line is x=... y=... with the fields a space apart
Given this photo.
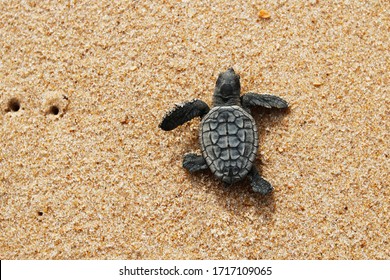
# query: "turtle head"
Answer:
x=227 y=89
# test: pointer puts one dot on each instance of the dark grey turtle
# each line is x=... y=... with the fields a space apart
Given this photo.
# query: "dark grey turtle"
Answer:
x=228 y=134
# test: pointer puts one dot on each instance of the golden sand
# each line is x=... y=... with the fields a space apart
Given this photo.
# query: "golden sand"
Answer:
x=85 y=173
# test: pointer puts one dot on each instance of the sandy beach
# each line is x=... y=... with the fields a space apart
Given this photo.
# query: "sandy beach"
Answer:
x=85 y=172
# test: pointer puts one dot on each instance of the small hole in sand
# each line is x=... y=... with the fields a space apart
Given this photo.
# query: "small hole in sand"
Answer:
x=54 y=110
x=40 y=213
x=13 y=105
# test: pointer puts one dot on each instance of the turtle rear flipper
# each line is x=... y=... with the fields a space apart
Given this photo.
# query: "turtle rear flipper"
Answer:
x=258 y=183
x=183 y=113
x=193 y=162
x=251 y=99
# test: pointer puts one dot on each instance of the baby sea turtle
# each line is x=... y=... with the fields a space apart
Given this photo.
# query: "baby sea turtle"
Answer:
x=228 y=134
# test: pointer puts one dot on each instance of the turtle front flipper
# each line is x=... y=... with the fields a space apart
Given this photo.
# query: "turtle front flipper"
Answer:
x=251 y=99
x=183 y=113
x=258 y=183
x=193 y=162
